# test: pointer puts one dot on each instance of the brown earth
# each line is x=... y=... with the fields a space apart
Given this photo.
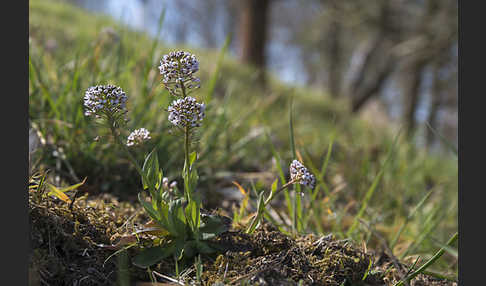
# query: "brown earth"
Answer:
x=66 y=249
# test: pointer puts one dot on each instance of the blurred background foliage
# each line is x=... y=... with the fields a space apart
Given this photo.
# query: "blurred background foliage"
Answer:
x=362 y=70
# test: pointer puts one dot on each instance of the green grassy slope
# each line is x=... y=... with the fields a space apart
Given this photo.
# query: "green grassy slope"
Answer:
x=71 y=50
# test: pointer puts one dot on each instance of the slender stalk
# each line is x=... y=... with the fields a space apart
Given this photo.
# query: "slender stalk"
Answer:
x=186 y=164
x=294 y=213
x=187 y=188
x=111 y=121
x=278 y=191
x=267 y=201
x=294 y=155
x=183 y=88
x=187 y=191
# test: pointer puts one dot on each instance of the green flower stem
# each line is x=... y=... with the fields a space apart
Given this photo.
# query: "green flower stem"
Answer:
x=294 y=214
x=187 y=188
x=187 y=191
x=183 y=90
x=124 y=147
x=272 y=195
x=186 y=165
x=267 y=201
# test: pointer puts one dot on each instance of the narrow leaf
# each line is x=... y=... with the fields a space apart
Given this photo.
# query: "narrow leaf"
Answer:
x=153 y=255
x=372 y=188
x=149 y=208
x=73 y=187
x=192 y=158
x=151 y=172
x=58 y=193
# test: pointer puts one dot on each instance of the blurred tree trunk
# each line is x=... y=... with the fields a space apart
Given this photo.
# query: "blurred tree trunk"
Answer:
x=412 y=80
x=413 y=71
x=378 y=61
x=253 y=33
x=372 y=89
x=231 y=19
x=443 y=81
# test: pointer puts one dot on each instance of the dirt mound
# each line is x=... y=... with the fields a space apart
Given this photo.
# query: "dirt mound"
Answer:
x=65 y=250
x=65 y=241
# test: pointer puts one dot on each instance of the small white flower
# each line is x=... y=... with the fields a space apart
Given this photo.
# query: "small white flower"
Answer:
x=177 y=69
x=138 y=136
x=301 y=175
x=105 y=99
x=186 y=112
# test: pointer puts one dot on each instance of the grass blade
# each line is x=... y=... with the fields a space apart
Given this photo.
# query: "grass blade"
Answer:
x=408 y=218
x=443 y=139
x=371 y=190
x=214 y=78
x=296 y=202
x=429 y=262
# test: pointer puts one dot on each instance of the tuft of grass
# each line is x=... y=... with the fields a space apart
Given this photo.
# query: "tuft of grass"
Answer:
x=371 y=190
x=429 y=262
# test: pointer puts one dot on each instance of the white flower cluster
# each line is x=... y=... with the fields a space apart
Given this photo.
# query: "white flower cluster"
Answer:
x=165 y=184
x=178 y=69
x=104 y=99
x=138 y=136
x=300 y=174
x=186 y=112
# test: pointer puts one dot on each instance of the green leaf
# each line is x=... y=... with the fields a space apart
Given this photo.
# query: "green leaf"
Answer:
x=177 y=219
x=58 y=193
x=73 y=187
x=152 y=176
x=203 y=247
x=274 y=186
x=192 y=158
x=219 y=63
x=446 y=142
x=40 y=186
x=165 y=218
x=179 y=248
x=190 y=248
x=149 y=209
x=260 y=210
x=193 y=213
x=296 y=203
x=152 y=228
x=211 y=226
x=373 y=187
x=429 y=262
x=153 y=255
x=193 y=178
x=408 y=218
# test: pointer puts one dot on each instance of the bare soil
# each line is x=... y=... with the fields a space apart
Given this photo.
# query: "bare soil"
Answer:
x=66 y=249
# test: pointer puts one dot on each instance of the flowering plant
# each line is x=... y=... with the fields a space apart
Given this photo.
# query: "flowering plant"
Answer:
x=178 y=220
x=183 y=229
x=298 y=175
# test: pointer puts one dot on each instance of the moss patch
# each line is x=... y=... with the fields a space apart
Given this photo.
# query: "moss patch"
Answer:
x=65 y=250
x=65 y=241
